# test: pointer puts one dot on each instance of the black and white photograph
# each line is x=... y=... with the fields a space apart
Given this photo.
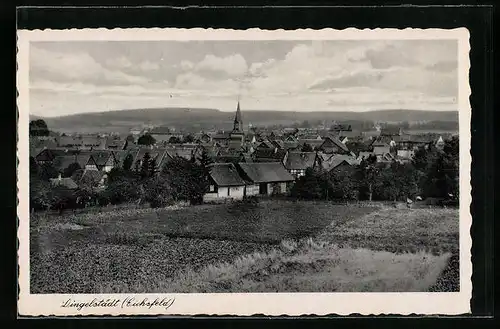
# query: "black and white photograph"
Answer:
x=200 y=164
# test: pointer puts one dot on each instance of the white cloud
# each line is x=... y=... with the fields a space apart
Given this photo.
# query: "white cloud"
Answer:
x=342 y=75
x=233 y=65
x=119 y=63
x=73 y=67
x=149 y=66
x=187 y=65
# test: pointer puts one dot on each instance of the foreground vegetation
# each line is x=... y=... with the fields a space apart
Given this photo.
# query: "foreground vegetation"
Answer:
x=265 y=246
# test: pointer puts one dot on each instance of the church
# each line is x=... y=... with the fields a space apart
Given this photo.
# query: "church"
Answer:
x=237 y=134
x=236 y=137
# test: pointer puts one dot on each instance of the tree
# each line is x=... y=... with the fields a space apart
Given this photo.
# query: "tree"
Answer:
x=47 y=171
x=174 y=140
x=34 y=170
x=70 y=170
x=188 y=138
x=38 y=128
x=310 y=186
x=367 y=174
x=146 y=139
x=127 y=162
x=307 y=148
x=158 y=192
x=186 y=179
x=40 y=194
x=145 y=166
x=122 y=190
x=342 y=184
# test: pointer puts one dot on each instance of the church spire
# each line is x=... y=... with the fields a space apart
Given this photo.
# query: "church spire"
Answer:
x=238 y=123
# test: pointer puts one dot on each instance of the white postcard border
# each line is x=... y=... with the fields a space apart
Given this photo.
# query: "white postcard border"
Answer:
x=272 y=304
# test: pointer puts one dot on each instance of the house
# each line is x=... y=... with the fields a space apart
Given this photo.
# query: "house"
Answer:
x=104 y=160
x=411 y=142
x=85 y=161
x=48 y=155
x=345 y=136
x=203 y=138
x=269 y=155
x=228 y=155
x=314 y=143
x=328 y=163
x=116 y=144
x=332 y=144
x=265 y=178
x=265 y=144
x=157 y=155
x=405 y=154
x=225 y=183
x=380 y=148
x=297 y=162
x=440 y=142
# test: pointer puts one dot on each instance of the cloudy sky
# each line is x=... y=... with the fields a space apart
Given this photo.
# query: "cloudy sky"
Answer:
x=75 y=77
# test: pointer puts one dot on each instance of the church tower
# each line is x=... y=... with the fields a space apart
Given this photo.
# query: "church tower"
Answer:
x=238 y=123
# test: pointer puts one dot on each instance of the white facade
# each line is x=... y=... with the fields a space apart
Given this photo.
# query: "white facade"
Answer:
x=252 y=190
x=407 y=154
x=224 y=192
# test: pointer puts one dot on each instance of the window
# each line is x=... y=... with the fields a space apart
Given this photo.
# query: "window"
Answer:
x=212 y=188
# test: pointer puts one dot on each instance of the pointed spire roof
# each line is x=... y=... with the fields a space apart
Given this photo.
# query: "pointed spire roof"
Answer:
x=237 y=117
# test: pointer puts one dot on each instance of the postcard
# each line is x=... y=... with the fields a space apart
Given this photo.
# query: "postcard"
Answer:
x=242 y=172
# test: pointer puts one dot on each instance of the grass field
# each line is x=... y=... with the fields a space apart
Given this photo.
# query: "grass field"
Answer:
x=266 y=246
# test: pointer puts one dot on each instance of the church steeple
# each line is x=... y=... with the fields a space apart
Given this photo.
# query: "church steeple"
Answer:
x=238 y=123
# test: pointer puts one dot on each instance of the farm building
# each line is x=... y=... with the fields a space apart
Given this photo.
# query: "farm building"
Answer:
x=225 y=183
x=269 y=155
x=85 y=161
x=297 y=162
x=329 y=162
x=332 y=144
x=381 y=148
x=268 y=177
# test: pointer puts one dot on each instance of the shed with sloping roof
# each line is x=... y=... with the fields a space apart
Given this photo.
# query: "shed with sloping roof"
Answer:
x=268 y=177
x=225 y=183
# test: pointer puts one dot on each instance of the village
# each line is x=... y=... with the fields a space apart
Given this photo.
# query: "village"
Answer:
x=240 y=163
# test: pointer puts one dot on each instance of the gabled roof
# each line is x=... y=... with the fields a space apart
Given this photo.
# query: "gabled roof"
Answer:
x=265 y=172
x=225 y=174
x=300 y=160
x=333 y=161
x=312 y=142
x=115 y=144
x=186 y=153
x=101 y=157
x=336 y=141
x=266 y=144
x=290 y=145
x=269 y=155
x=63 y=162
